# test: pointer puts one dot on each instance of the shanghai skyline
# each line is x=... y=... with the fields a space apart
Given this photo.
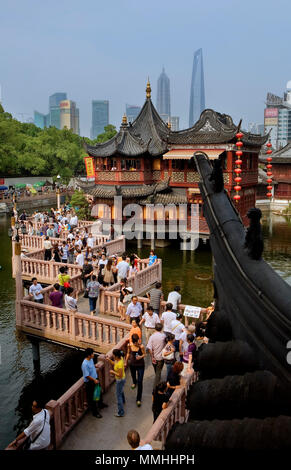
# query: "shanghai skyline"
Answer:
x=47 y=54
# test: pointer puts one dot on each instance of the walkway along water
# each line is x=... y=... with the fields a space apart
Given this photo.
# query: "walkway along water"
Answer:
x=44 y=321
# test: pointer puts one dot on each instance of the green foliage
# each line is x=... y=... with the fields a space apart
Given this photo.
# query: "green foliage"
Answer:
x=80 y=204
x=27 y=150
x=109 y=132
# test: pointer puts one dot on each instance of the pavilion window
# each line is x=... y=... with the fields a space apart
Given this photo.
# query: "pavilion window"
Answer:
x=147 y=165
x=132 y=165
x=111 y=164
x=250 y=162
x=166 y=165
x=178 y=164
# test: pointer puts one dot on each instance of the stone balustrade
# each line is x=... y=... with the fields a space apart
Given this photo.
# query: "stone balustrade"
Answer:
x=175 y=412
x=47 y=271
x=69 y=409
x=70 y=328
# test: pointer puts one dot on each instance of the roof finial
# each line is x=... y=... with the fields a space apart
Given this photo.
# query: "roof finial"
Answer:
x=148 y=89
x=124 y=121
x=169 y=124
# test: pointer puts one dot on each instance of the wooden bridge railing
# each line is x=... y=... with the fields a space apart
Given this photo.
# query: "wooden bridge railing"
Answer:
x=46 y=270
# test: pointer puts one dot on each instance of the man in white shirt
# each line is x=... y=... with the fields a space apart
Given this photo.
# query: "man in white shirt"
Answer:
x=122 y=269
x=167 y=317
x=39 y=429
x=133 y=438
x=150 y=319
x=90 y=241
x=74 y=221
x=80 y=258
x=35 y=291
x=71 y=236
x=177 y=329
x=78 y=242
x=175 y=298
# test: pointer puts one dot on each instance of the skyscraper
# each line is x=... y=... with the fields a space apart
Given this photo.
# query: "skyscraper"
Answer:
x=132 y=112
x=54 y=109
x=197 y=93
x=163 y=96
x=69 y=115
x=100 y=117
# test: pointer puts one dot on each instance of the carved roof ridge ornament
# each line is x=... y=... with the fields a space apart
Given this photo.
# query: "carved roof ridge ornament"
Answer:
x=207 y=127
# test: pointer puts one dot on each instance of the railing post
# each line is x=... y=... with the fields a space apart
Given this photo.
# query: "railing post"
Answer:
x=102 y=301
x=18 y=281
x=56 y=431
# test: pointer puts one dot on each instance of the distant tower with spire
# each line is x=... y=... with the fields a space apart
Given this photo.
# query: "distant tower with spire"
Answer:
x=163 y=96
x=197 y=92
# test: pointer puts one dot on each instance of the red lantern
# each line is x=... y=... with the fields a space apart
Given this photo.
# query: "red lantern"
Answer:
x=269 y=152
x=237 y=179
x=269 y=144
x=239 y=135
x=238 y=153
x=269 y=180
x=236 y=197
x=269 y=187
x=269 y=194
x=269 y=166
x=269 y=159
x=238 y=162
x=237 y=170
x=239 y=144
x=237 y=188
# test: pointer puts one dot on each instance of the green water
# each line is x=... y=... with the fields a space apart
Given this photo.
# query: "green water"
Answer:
x=60 y=366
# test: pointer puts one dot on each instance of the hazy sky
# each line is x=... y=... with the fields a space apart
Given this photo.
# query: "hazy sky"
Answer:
x=97 y=50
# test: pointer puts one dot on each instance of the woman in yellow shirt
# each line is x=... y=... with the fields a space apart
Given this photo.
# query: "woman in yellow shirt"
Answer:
x=118 y=371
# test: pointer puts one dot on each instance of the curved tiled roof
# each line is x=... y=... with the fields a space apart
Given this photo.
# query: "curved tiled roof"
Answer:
x=149 y=134
x=103 y=191
x=280 y=156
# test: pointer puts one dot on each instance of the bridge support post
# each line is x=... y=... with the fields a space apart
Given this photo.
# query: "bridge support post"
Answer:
x=35 y=356
x=18 y=279
x=152 y=243
x=139 y=243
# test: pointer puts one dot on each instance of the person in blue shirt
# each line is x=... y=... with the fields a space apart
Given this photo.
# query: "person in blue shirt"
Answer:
x=91 y=379
x=152 y=258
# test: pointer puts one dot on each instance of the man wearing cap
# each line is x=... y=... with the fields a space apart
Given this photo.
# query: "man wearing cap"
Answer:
x=134 y=309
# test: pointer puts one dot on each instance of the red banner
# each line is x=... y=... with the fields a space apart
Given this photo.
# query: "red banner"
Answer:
x=89 y=162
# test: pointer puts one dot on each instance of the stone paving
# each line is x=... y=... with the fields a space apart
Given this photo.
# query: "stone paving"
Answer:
x=109 y=433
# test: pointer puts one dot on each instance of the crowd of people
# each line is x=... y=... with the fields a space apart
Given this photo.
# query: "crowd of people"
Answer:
x=168 y=342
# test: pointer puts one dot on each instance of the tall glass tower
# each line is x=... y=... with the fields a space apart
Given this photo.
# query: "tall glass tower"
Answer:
x=54 y=109
x=100 y=117
x=163 y=96
x=197 y=93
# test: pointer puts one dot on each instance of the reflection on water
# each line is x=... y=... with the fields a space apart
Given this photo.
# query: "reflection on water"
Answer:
x=61 y=366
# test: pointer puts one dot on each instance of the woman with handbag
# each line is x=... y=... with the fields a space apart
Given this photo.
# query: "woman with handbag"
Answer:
x=168 y=353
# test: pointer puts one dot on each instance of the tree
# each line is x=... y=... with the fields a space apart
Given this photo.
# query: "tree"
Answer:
x=109 y=132
x=80 y=204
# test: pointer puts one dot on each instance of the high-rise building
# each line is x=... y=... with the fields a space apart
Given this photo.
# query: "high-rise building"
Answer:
x=69 y=115
x=163 y=96
x=54 y=109
x=100 y=117
x=41 y=120
x=277 y=118
x=197 y=92
x=132 y=112
x=174 y=120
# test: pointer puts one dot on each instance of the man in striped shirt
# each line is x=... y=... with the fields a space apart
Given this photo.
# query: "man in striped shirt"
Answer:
x=156 y=296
